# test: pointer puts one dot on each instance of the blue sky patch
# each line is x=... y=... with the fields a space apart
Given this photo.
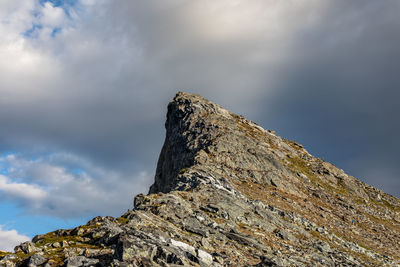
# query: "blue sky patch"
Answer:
x=55 y=31
x=32 y=32
x=13 y=217
x=59 y=3
x=64 y=4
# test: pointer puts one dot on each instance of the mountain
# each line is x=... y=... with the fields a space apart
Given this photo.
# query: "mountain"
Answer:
x=229 y=193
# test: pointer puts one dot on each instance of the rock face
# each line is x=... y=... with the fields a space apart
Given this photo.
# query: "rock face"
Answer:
x=229 y=193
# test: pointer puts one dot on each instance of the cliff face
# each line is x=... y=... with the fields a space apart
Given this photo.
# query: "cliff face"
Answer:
x=229 y=193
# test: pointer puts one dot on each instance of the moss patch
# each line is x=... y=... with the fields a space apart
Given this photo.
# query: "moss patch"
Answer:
x=122 y=220
x=4 y=253
x=51 y=238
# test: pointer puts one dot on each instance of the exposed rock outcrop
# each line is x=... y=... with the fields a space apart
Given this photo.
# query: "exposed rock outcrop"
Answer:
x=229 y=193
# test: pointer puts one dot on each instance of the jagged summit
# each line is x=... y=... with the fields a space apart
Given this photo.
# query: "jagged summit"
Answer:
x=204 y=138
x=229 y=193
x=194 y=125
x=190 y=127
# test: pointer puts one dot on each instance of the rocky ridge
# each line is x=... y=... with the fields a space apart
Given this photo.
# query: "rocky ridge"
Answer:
x=229 y=193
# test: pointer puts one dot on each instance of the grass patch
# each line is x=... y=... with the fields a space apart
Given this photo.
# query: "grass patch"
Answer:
x=249 y=130
x=241 y=225
x=299 y=164
x=122 y=220
x=4 y=253
x=294 y=145
x=21 y=256
x=73 y=241
x=56 y=256
x=390 y=206
x=51 y=238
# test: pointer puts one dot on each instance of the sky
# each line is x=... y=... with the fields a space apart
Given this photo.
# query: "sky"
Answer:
x=84 y=86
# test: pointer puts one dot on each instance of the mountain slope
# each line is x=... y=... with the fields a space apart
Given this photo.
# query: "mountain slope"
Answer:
x=229 y=193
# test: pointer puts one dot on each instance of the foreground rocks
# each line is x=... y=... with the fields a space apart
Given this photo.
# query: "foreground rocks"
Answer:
x=229 y=193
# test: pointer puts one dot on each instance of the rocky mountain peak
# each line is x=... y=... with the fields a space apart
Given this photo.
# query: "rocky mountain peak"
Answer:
x=229 y=193
x=190 y=127
x=204 y=140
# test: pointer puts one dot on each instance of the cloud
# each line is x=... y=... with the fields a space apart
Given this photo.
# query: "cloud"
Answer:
x=66 y=186
x=52 y=16
x=20 y=190
x=340 y=87
x=85 y=86
x=100 y=86
x=10 y=238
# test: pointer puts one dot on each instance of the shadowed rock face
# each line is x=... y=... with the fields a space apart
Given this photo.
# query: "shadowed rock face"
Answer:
x=229 y=193
x=187 y=134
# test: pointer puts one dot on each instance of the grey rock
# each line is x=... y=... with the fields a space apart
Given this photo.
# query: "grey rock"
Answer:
x=322 y=246
x=194 y=230
x=26 y=247
x=284 y=235
x=8 y=260
x=204 y=257
x=37 y=238
x=36 y=260
x=210 y=208
x=269 y=262
x=244 y=240
x=80 y=261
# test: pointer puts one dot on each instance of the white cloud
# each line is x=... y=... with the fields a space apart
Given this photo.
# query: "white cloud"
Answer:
x=25 y=69
x=26 y=192
x=52 y=16
x=67 y=186
x=228 y=44
x=10 y=238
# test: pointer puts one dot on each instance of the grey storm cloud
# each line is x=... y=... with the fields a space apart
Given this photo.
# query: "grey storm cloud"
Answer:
x=341 y=93
x=323 y=73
